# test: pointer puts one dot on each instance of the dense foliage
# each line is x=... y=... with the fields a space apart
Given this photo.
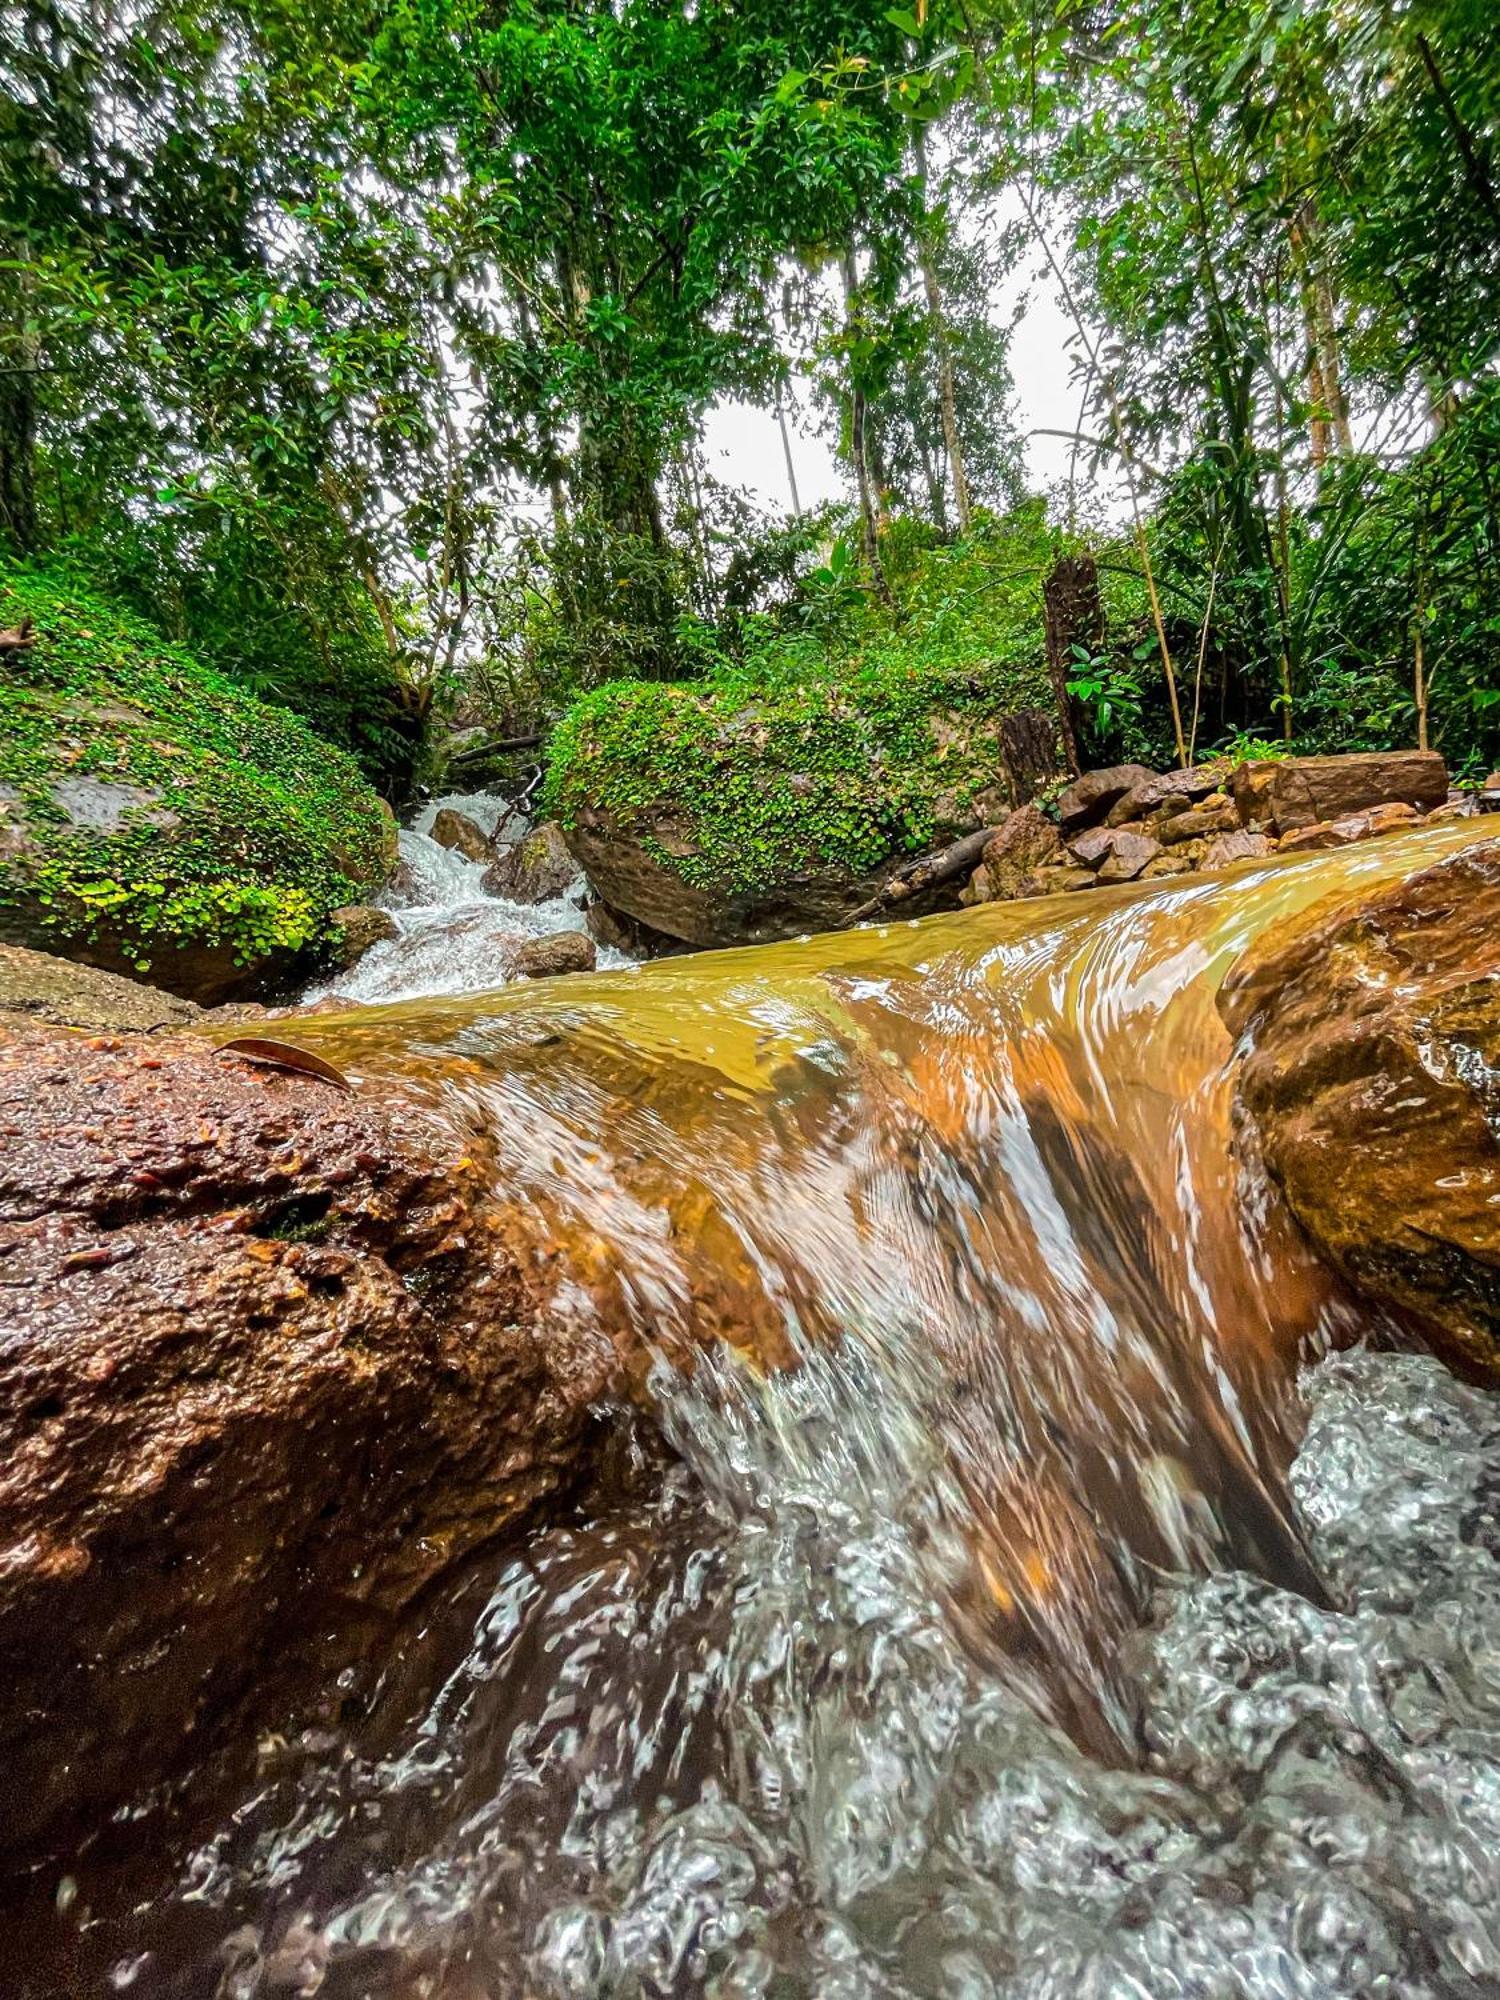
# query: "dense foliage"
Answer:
x=151 y=805
x=367 y=349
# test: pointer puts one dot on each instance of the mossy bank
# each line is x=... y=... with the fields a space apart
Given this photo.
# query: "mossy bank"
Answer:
x=738 y=808
x=155 y=818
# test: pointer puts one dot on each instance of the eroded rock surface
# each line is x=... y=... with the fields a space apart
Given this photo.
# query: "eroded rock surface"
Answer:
x=537 y=868
x=1371 y=1071
x=267 y=1368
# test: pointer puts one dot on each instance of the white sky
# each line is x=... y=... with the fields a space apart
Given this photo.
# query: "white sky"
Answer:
x=743 y=444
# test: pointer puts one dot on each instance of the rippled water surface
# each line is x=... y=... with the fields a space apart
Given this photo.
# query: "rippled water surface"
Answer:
x=1038 y=1632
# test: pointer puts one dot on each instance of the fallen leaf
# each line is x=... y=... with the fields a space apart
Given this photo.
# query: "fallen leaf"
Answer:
x=282 y=1055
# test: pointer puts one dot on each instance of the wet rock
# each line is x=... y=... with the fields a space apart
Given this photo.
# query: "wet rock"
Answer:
x=1300 y=791
x=358 y=927
x=1174 y=790
x=1026 y=842
x=535 y=870
x=267 y=1368
x=1057 y=879
x=546 y=957
x=81 y=996
x=1354 y=827
x=1371 y=1074
x=1093 y=847
x=1164 y=865
x=454 y=829
x=1090 y=797
x=1238 y=845
x=1215 y=814
x=1489 y=796
x=1130 y=854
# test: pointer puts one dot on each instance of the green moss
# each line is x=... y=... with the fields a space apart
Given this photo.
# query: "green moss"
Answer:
x=236 y=825
x=791 y=765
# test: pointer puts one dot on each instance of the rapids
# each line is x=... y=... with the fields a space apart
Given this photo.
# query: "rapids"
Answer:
x=1104 y=1604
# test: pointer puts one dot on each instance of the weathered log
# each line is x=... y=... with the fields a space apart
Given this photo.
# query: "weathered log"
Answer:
x=929 y=871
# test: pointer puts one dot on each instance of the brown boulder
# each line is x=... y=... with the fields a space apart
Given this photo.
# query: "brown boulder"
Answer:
x=1238 y=845
x=452 y=828
x=1299 y=791
x=1174 y=790
x=1026 y=842
x=357 y=927
x=81 y=996
x=538 y=868
x=267 y=1368
x=1090 y=797
x=1371 y=1072
x=546 y=957
x=1215 y=814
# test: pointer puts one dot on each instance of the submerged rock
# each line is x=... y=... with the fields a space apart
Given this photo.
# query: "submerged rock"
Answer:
x=1371 y=1073
x=546 y=957
x=268 y=1367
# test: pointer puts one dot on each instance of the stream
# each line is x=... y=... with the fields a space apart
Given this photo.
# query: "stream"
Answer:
x=1106 y=1606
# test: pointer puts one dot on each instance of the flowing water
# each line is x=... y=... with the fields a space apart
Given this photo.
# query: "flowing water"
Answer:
x=1103 y=1604
x=448 y=925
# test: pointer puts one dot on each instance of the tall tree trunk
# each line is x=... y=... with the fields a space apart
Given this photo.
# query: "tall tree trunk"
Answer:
x=858 y=448
x=1330 y=428
x=791 y=469
x=1072 y=615
x=942 y=348
x=18 y=366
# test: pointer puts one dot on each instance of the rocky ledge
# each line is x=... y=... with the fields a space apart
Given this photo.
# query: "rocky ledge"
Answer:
x=1370 y=1075
x=268 y=1368
x=1130 y=824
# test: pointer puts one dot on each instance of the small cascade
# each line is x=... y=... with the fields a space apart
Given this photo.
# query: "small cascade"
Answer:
x=447 y=922
x=1031 y=1577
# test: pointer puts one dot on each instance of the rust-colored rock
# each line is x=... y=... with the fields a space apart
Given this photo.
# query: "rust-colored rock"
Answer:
x=1174 y=789
x=1353 y=827
x=535 y=870
x=1371 y=1069
x=1237 y=845
x=454 y=829
x=267 y=1368
x=1299 y=791
x=1090 y=797
x=563 y=951
x=1027 y=841
x=1130 y=854
x=1214 y=814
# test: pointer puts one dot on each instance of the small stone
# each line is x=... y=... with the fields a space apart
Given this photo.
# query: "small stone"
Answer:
x=357 y=927
x=1170 y=787
x=1215 y=815
x=1165 y=865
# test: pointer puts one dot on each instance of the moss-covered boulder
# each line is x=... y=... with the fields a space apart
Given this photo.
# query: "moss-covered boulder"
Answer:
x=157 y=820
x=719 y=812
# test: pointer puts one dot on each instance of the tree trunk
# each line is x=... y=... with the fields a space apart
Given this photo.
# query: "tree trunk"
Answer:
x=18 y=366
x=869 y=538
x=1073 y=615
x=1329 y=424
x=791 y=469
x=952 y=442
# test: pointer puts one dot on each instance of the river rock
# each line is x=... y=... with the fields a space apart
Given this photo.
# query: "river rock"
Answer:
x=32 y=983
x=1129 y=855
x=1352 y=828
x=1295 y=792
x=1090 y=797
x=454 y=829
x=1214 y=814
x=1174 y=790
x=1238 y=845
x=1370 y=1071
x=546 y=957
x=535 y=870
x=357 y=927
x=1027 y=841
x=267 y=1369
